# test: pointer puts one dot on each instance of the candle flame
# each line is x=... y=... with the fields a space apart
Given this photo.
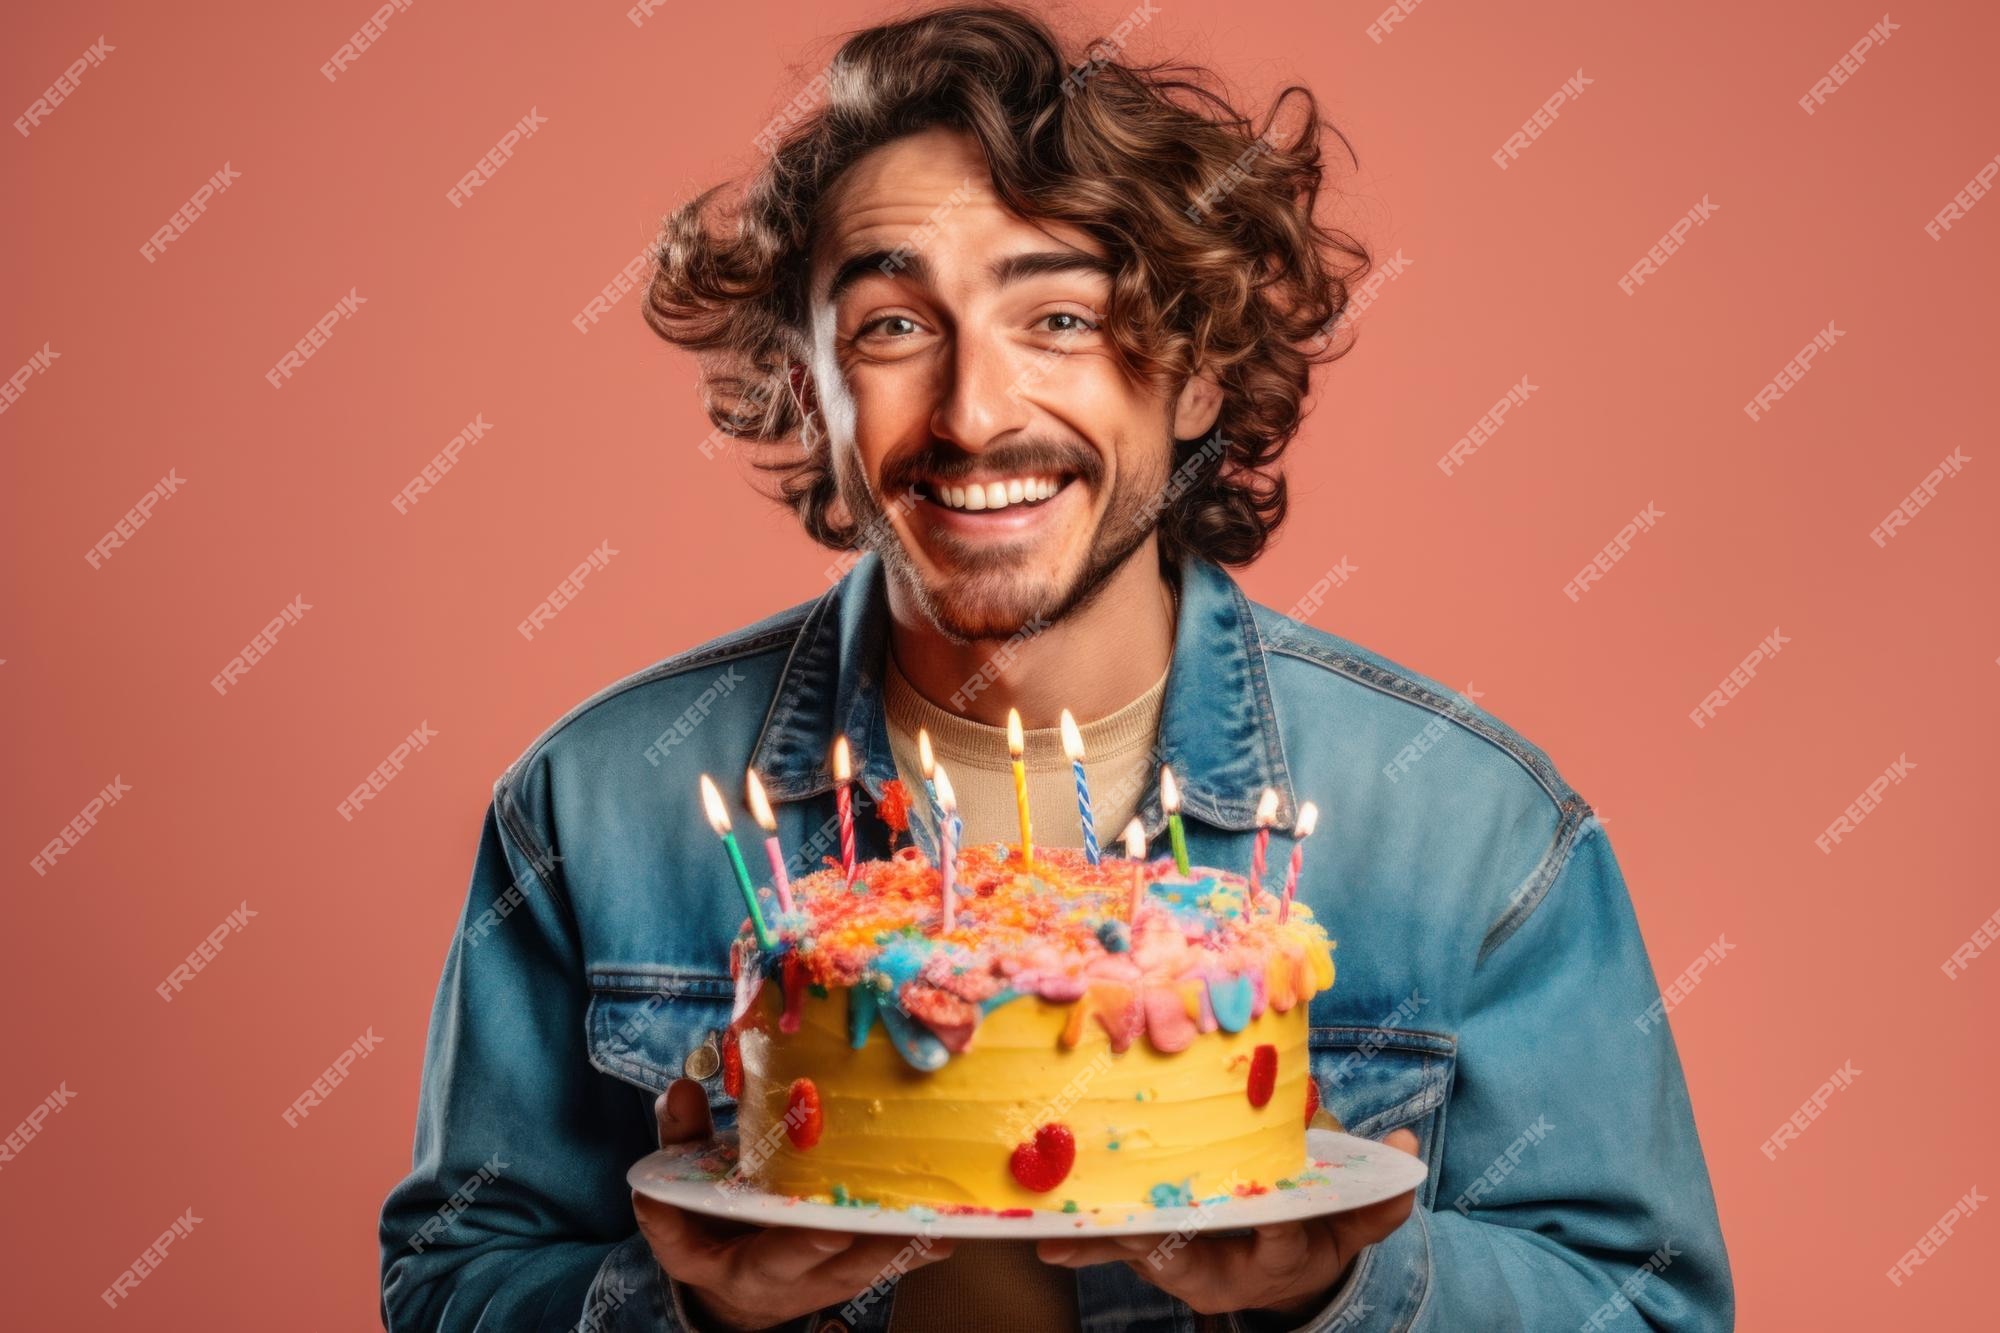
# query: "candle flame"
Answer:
x=926 y=760
x=1072 y=738
x=946 y=798
x=1170 y=793
x=760 y=807
x=1015 y=742
x=1135 y=839
x=1308 y=820
x=1267 y=807
x=843 y=763
x=711 y=799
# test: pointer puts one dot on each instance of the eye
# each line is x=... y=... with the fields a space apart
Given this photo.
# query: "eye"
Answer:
x=874 y=324
x=1077 y=323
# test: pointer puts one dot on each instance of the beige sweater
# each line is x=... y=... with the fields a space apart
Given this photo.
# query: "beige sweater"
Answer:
x=1001 y=1284
x=1117 y=763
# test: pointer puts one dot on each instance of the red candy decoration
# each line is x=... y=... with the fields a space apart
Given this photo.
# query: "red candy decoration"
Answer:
x=1263 y=1074
x=732 y=1065
x=1312 y=1100
x=1044 y=1164
x=802 y=1116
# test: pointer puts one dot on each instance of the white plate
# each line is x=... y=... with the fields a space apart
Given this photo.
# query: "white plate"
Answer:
x=1341 y=1172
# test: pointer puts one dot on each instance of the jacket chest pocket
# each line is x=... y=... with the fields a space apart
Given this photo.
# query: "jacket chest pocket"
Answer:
x=1374 y=1080
x=650 y=1026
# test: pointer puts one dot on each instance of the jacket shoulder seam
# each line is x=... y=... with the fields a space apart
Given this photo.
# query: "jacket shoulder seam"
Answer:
x=1576 y=819
x=1402 y=686
x=729 y=648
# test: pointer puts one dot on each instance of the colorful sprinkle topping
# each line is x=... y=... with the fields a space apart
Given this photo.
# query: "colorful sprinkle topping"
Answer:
x=1197 y=957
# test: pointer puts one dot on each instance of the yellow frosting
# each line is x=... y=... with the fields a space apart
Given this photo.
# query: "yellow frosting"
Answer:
x=1141 y=1120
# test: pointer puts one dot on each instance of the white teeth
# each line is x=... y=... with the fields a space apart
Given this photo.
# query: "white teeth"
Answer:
x=996 y=494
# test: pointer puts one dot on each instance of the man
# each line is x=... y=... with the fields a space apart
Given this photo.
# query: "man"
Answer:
x=1035 y=330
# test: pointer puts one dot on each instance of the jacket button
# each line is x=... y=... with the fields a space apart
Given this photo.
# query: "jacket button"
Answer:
x=704 y=1060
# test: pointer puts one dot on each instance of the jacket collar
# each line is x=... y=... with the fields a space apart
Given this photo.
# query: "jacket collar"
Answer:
x=1218 y=725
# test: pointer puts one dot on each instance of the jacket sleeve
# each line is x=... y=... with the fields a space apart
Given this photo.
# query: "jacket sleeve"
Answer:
x=516 y=1214
x=1572 y=1192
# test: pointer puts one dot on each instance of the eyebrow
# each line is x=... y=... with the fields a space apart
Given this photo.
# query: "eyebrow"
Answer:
x=1005 y=269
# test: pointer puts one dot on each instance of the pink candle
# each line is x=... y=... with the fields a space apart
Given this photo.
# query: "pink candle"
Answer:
x=1308 y=818
x=760 y=810
x=843 y=775
x=947 y=850
x=1135 y=851
x=1267 y=810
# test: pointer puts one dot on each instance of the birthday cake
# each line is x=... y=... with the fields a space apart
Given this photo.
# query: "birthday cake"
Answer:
x=1088 y=1033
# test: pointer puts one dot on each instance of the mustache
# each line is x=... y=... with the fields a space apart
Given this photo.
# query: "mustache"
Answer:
x=945 y=463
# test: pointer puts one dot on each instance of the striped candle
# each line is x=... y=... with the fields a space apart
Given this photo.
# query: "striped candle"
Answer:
x=927 y=763
x=1267 y=810
x=948 y=852
x=843 y=799
x=1072 y=740
x=1308 y=820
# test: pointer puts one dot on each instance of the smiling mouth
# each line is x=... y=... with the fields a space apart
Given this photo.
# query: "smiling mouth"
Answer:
x=1020 y=493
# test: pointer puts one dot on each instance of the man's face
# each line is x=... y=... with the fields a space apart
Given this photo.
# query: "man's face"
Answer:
x=982 y=434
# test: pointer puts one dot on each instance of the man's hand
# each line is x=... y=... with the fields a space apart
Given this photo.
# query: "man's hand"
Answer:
x=1288 y=1268
x=746 y=1277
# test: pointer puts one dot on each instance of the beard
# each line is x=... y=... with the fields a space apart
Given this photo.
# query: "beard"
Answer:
x=992 y=590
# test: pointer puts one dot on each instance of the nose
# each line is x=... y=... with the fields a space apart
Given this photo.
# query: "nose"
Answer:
x=984 y=398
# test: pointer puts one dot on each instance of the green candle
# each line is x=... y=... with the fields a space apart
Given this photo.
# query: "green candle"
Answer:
x=765 y=939
x=718 y=819
x=1170 y=801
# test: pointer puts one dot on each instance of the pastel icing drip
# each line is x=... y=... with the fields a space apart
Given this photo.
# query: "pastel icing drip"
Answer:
x=1197 y=957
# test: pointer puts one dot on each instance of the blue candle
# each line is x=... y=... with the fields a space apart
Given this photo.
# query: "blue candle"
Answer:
x=1073 y=747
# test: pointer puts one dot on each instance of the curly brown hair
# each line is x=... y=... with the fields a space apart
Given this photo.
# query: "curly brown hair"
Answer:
x=1221 y=264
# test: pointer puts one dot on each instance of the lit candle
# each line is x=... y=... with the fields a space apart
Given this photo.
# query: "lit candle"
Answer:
x=1267 y=810
x=1135 y=850
x=1170 y=801
x=843 y=776
x=947 y=844
x=718 y=819
x=1016 y=745
x=760 y=810
x=1072 y=740
x=1308 y=818
x=927 y=761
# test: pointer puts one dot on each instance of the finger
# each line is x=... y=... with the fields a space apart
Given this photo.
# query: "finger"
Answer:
x=1402 y=1140
x=786 y=1254
x=1281 y=1247
x=1079 y=1253
x=889 y=1257
x=682 y=1113
x=683 y=1247
x=1365 y=1226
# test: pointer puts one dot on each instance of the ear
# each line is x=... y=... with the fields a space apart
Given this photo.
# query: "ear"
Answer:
x=1197 y=406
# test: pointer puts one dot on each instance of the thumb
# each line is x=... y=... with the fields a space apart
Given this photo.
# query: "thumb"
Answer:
x=682 y=1113
x=1402 y=1140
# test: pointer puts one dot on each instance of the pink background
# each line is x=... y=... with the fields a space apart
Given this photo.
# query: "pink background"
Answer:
x=595 y=437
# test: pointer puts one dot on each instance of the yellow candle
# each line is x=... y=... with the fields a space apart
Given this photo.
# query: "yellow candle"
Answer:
x=1016 y=746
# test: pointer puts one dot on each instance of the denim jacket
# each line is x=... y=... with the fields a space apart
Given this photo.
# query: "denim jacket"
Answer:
x=1493 y=992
